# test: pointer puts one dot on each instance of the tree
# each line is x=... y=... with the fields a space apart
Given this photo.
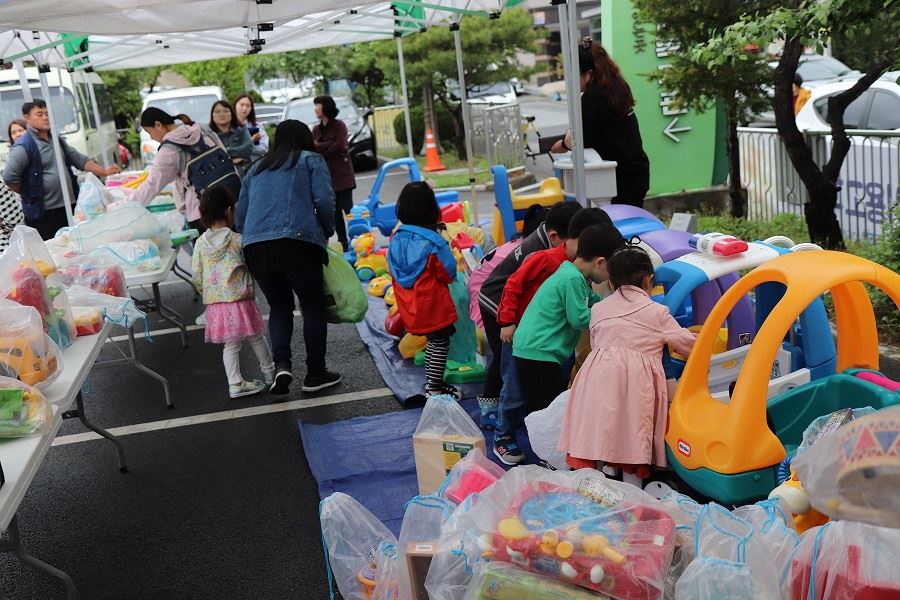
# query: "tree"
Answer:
x=799 y=24
x=362 y=67
x=227 y=73
x=489 y=53
x=738 y=86
x=124 y=87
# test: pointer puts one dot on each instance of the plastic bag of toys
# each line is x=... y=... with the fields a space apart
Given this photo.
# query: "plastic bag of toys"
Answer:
x=544 y=427
x=684 y=511
x=501 y=581
x=422 y=523
x=99 y=274
x=26 y=352
x=123 y=225
x=136 y=256
x=387 y=576
x=114 y=309
x=854 y=473
x=93 y=199
x=352 y=536
x=173 y=220
x=444 y=435
x=471 y=475
x=844 y=560
x=451 y=567
x=23 y=410
x=577 y=527
x=773 y=542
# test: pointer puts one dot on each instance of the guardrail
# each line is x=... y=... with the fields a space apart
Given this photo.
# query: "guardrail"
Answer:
x=497 y=133
x=383 y=126
x=869 y=178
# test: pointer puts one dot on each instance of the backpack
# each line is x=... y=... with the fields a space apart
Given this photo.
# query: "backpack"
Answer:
x=208 y=167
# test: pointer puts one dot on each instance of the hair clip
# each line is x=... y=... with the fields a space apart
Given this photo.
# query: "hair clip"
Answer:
x=586 y=42
x=634 y=240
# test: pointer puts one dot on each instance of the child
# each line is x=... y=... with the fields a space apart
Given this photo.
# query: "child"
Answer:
x=518 y=292
x=222 y=278
x=561 y=308
x=617 y=408
x=549 y=234
x=422 y=268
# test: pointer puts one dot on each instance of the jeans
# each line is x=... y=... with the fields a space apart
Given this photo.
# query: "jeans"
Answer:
x=279 y=288
x=231 y=356
x=511 y=413
x=492 y=378
x=343 y=202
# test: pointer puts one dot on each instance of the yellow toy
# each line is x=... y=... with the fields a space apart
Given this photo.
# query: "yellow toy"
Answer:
x=369 y=261
x=550 y=193
x=378 y=286
x=411 y=345
x=390 y=299
x=792 y=492
x=726 y=450
x=31 y=361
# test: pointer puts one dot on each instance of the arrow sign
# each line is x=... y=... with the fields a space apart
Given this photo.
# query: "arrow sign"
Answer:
x=671 y=130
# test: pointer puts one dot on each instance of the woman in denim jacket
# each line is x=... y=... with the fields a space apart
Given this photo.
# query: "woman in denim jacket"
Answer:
x=286 y=214
x=235 y=137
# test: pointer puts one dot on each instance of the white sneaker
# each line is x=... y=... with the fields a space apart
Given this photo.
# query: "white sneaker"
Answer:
x=269 y=375
x=201 y=320
x=246 y=388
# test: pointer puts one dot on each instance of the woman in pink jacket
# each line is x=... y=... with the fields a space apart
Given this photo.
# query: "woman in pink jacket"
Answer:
x=618 y=405
x=170 y=164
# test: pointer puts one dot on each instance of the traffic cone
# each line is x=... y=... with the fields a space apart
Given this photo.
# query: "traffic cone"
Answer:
x=432 y=160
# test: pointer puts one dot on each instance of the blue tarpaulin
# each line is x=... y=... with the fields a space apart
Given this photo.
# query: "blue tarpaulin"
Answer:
x=371 y=459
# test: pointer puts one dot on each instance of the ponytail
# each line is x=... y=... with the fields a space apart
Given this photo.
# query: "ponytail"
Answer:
x=153 y=115
x=185 y=119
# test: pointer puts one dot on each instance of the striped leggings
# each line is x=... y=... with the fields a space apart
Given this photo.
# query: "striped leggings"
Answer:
x=436 y=361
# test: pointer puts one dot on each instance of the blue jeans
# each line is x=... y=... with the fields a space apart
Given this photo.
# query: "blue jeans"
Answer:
x=511 y=413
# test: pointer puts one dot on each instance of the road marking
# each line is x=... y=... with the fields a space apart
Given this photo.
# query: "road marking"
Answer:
x=226 y=415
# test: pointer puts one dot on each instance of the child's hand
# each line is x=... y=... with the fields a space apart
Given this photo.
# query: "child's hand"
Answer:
x=506 y=334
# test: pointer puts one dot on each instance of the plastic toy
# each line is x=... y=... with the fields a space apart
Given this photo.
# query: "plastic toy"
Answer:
x=725 y=448
x=511 y=208
x=358 y=221
x=456 y=212
x=498 y=581
x=631 y=220
x=88 y=321
x=369 y=261
x=389 y=298
x=561 y=533
x=393 y=324
x=473 y=481
x=379 y=285
x=792 y=492
x=26 y=359
x=411 y=344
x=717 y=244
x=384 y=216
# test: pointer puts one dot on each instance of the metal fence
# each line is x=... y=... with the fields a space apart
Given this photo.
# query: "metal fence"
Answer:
x=869 y=178
x=497 y=134
x=383 y=125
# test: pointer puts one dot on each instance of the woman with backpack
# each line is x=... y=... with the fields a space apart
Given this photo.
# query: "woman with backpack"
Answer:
x=286 y=214
x=172 y=159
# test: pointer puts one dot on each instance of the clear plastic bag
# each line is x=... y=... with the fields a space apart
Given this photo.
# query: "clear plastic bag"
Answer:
x=444 y=435
x=575 y=526
x=544 y=427
x=684 y=511
x=172 y=220
x=855 y=473
x=771 y=545
x=460 y=547
x=23 y=410
x=387 y=572
x=501 y=581
x=844 y=560
x=26 y=352
x=93 y=199
x=99 y=274
x=828 y=424
x=123 y=225
x=132 y=257
x=715 y=579
x=419 y=534
x=121 y=311
x=352 y=536
x=471 y=475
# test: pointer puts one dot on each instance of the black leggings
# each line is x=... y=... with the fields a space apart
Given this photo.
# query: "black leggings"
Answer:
x=343 y=202
x=493 y=382
x=541 y=382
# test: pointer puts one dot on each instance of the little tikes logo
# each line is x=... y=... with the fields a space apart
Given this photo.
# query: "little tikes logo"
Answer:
x=684 y=447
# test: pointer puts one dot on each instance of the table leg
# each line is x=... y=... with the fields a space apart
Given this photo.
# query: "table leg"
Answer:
x=169 y=314
x=79 y=404
x=14 y=547
x=144 y=368
x=186 y=277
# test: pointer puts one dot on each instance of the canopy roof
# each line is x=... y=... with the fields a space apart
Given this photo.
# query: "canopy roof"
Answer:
x=195 y=30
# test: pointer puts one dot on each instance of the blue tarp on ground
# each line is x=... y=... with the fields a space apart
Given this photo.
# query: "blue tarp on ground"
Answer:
x=371 y=459
x=399 y=374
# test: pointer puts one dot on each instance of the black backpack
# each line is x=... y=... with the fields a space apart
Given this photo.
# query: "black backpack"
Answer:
x=208 y=167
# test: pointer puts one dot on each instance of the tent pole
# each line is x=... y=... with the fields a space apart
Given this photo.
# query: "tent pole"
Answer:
x=61 y=166
x=23 y=81
x=87 y=74
x=464 y=100
x=409 y=146
x=568 y=34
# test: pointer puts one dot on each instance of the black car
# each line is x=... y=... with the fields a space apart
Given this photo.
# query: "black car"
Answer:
x=361 y=137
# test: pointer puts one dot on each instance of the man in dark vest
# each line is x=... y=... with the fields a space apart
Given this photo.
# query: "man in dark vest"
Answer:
x=31 y=172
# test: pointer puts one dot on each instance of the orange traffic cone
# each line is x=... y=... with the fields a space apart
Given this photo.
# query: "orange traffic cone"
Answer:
x=432 y=160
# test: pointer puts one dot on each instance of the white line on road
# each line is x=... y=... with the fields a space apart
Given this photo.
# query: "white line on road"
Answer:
x=226 y=415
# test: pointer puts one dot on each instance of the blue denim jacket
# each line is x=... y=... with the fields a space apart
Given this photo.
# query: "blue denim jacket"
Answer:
x=292 y=202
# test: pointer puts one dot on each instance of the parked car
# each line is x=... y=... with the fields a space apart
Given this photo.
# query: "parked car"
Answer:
x=280 y=91
x=363 y=148
x=816 y=69
x=195 y=102
x=500 y=92
x=269 y=114
x=877 y=108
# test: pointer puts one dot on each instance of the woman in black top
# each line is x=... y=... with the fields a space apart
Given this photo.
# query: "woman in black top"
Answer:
x=609 y=124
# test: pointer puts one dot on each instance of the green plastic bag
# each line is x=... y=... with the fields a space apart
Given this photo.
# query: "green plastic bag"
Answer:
x=345 y=300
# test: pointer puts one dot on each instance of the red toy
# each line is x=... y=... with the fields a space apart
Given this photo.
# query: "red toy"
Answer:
x=31 y=290
x=473 y=481
x=109 y=280
x=850 y=583
x=453 y=212
x=393 y=323
x=588 y=537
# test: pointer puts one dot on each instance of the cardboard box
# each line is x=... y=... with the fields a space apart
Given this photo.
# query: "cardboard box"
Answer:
x=418 y=560
x=437 y=454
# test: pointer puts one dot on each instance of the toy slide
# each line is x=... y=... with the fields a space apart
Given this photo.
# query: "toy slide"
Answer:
x=510 y=208
x=725 y=367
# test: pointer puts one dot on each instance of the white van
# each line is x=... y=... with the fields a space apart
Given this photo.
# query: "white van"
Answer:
x=72 y=110
x=195 y=102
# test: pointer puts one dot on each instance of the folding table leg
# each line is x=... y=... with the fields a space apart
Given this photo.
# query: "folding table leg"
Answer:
x=169 y=314
x=79 y=403
x=14 y=547
x=142 y=367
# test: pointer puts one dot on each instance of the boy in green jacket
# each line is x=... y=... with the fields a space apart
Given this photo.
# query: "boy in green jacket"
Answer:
x=560 y=310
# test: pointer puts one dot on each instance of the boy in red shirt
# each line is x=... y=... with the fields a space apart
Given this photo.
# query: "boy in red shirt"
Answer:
x=520 y=288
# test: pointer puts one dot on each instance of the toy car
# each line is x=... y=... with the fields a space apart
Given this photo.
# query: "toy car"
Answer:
x=30 y=360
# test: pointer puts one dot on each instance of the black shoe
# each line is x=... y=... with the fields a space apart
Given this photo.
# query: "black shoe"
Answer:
x=314 y=383
x=283 y=379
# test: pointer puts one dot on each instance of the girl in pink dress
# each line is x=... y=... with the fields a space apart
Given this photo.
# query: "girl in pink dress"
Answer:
x=222 y=278
x=618 y=405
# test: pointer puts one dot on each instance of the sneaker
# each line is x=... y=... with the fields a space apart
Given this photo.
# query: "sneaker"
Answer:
x=314 y=383
x=508 y=451
x=281 y=382
x=488 y=408
x=201 y=320
x=444 y=390
x=269 y=376
x=246 y=388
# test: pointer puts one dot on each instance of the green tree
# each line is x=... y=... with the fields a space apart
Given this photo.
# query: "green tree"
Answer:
x=227 y=73
x=738 y=86
x=124 y=87
x=799 y=24
x=363 y=66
